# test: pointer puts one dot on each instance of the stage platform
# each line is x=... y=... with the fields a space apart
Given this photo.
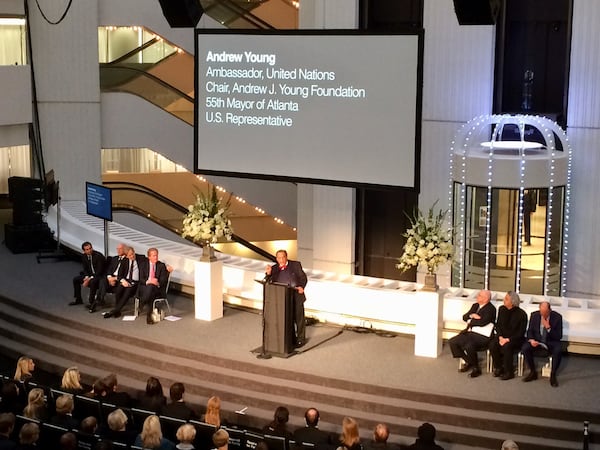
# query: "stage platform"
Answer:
x=373 y=378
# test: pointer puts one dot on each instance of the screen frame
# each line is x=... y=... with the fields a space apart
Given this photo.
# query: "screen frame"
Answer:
x=419 y=33
x=94 y=210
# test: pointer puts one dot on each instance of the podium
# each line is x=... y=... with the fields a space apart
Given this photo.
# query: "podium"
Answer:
x=278 y=320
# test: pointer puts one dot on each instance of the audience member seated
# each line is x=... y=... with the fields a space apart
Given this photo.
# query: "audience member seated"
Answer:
x=509 y=336
x=89 y=425
x=115 y=271
x=476 y=336
x=71 y=381
x=99 y=390
x=7 y=425
x=381 y=434
x=86 y=436
x=117 y=428
x=186 y=435
x=153 y=398
x=509 y=445
x=93 y=263
x=213 y=412
x=544 y=336
x=64 y=413
x=36 y=405
x=25 y=368
x=350 y=438
x=11 y=401
x=311 y=433
x=151 y=436
x=278 y=427
x=68 y=441
x=221 y=440
x=178 y=408
x=104 y=445
x=28 y=436
x=425 y=438
x=113 y=395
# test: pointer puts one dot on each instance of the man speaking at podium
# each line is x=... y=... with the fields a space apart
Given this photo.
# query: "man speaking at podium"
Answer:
x=291 y=273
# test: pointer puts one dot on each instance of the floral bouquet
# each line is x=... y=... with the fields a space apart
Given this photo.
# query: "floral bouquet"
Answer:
x=427 y=243
x=207 y=219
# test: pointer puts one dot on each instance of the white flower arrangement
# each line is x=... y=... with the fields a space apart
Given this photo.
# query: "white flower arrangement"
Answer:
x=427 y=243
x=207 y=219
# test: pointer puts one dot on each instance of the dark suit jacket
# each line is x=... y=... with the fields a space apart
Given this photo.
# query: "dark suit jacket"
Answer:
x=312 y=435
x=556 y=327
x=511 y=324
x=179 y=410
x=160 y=272
x=113 y=263
x=140 y=261
x=487 y=313
x=98 y=261
x=298 y=277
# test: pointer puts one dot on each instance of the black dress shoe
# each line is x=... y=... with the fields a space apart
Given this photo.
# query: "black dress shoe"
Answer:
x=92 y=309
x=465 y=368
x=107 y=315
x=77 y=301
x=498 y=373
x=530 y=377
x=475 y=372
x=299 y=344
x=553 y=381
x=507 y=376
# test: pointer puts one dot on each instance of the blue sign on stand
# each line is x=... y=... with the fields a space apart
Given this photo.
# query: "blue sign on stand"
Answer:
x=98 y=200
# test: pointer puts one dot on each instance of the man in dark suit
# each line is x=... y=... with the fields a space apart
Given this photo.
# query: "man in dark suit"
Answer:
x=127 y=285
x=544 y=335
x=509 y=337
x=178 y=408
x=291 y=273
x=476 y=336
x=153 y=282
x=311 y=433
x=93 y=263
x=115 y=270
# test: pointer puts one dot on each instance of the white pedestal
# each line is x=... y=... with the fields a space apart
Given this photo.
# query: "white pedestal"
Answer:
x=208 y=283
x=429 y=324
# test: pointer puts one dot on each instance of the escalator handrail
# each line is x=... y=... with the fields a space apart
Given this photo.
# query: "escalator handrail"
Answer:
x=244 y=14
x=134 y=51
x=140 y=188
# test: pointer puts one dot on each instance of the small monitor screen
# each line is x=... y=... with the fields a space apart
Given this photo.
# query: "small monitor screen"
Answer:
x=98 y=201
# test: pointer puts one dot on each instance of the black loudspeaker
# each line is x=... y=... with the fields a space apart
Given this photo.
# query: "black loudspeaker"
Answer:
x=26 y=195
x=477 y=12
x=28 y=238
x=182 y=13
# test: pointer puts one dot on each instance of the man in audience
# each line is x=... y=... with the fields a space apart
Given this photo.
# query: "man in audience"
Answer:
x=68 y=441
x=154 y=277
x=543 y=336
x=64 y=413
x=127 y=286
x=509 y=337
x=311 y=433
x=381 y=434
x=220 y=439
x=509 y=445
x=116 y=269
x=7 y=425
x=117 y=428
x=29 y=435
x=93 y=263
x=113 y=395
x=178 y=408
x=425 y=438
x=476 y=336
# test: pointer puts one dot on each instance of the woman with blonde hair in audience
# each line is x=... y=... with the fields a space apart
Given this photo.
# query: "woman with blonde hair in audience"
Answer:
x=151 y=436
x=186 y=434
x=213 y=412
x=71 y=381
x=350 y=439
x=36 y=405
x=24 y=370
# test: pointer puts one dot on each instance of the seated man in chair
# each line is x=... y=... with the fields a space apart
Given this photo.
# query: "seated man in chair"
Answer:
x=543 y=336
x=128 y=285
x=153 y=282
x=509 y=337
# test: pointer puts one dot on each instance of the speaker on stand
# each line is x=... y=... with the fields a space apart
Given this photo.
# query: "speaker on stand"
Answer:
x=477 y=12
x=182 y=13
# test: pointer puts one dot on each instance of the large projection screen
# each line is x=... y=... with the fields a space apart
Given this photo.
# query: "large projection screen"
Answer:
x=342 y=109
